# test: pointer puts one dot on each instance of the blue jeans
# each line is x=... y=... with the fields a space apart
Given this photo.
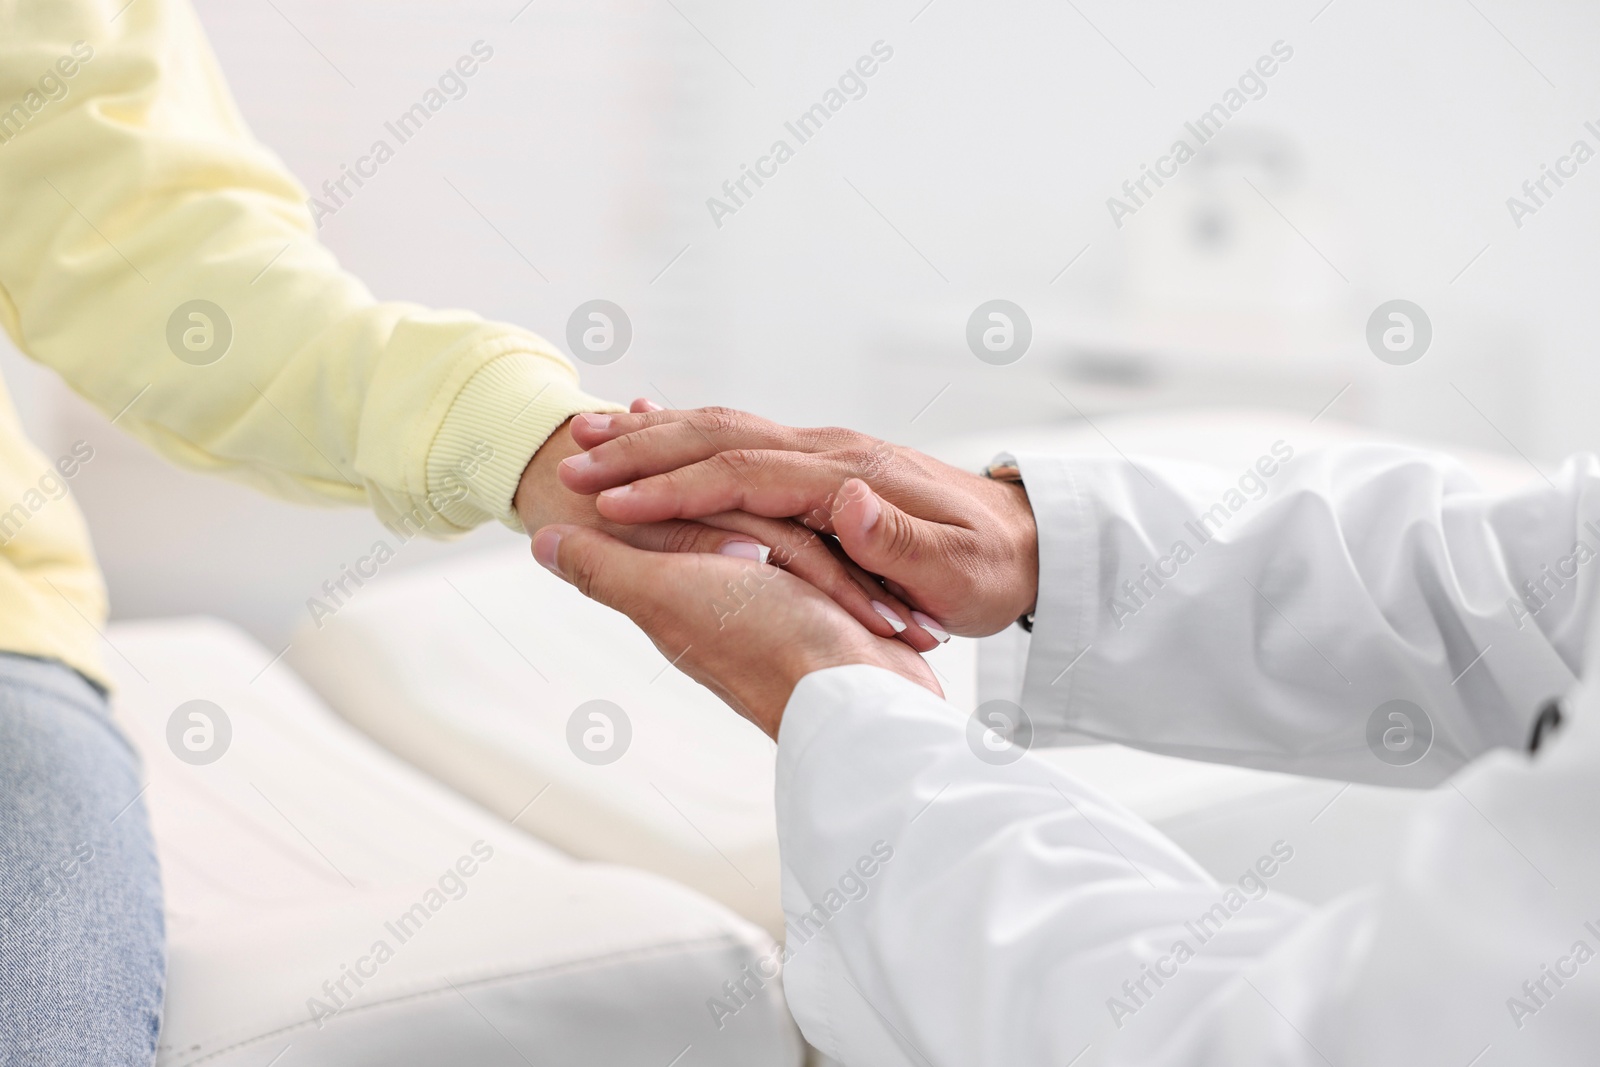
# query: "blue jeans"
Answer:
x=82 y=937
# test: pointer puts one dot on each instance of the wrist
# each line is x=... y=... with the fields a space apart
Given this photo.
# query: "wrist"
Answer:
x=796 y=663
x=1024 y=536
x=538 y=481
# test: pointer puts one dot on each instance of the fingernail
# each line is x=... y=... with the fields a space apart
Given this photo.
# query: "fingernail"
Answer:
x=650 y=405
x=869 y=511
x=746 y=550
x=618 y=492
x=890 y=617
x=578 y=462
x=596 y=422
x=545 y=545
x=929 y=625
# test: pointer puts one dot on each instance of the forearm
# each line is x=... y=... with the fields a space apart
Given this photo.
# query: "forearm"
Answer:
x=1264 y=623
x=138 y=191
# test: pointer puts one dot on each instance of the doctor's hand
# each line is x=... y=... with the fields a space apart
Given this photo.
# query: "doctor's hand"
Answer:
x=542 y=500
x=747 y=631
x=962 y=548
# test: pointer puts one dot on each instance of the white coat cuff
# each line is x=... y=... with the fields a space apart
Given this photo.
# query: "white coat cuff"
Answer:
x=1069 y=565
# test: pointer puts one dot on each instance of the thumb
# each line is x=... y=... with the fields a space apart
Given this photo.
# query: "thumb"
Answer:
x=886 y=541
x=600 y=566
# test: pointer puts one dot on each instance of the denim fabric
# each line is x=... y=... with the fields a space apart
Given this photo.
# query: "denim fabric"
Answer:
x=82 y=945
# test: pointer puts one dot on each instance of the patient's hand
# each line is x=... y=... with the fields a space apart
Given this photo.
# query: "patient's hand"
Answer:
x=541 y=500
x=748 y=631
x=961 y=547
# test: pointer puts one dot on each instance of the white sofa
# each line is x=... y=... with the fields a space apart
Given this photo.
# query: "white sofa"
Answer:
x=287 y=860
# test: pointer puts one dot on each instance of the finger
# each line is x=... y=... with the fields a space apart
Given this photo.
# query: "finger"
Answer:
x=656 y=450
x=928 y=623
x=909 y=552
x=719 y=425
x=762 y=482
x=801 y=553
x=913 y=627
x=644 y=404
x=686 y=537
x=930 y=626
x=603 y=568
x=665 y=447
x=816 y=560
x=591 y=430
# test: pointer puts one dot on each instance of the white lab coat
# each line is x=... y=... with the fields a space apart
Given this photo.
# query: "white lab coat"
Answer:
x=945 y=911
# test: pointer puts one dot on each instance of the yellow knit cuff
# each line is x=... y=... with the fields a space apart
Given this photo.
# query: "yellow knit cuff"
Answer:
x=494 y=426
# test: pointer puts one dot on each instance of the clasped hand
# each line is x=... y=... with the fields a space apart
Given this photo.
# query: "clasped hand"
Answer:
x=923 y=549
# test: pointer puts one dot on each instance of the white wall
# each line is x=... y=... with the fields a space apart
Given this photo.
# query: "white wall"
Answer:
x=990 y=141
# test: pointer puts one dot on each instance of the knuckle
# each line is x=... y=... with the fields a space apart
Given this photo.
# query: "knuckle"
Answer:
x=719 y=420
x=682 y=537
x=626 y=446
x=619 y=452
x=828 y=438
x=674 y=481
x=901 y=540
x=880 y=456
x=742 y=461
x=862 y=462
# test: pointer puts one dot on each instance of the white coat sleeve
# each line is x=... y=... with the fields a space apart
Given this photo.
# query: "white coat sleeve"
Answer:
x=1280 y=616
x=944 y=912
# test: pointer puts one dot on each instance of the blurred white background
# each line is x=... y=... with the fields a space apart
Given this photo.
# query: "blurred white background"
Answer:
x=977 y=166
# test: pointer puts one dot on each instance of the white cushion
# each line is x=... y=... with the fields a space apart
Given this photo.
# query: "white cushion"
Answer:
x=287 y=860
x=471 y=670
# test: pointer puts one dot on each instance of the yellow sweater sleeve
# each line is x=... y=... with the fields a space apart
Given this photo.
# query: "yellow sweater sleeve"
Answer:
x=165 y=264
